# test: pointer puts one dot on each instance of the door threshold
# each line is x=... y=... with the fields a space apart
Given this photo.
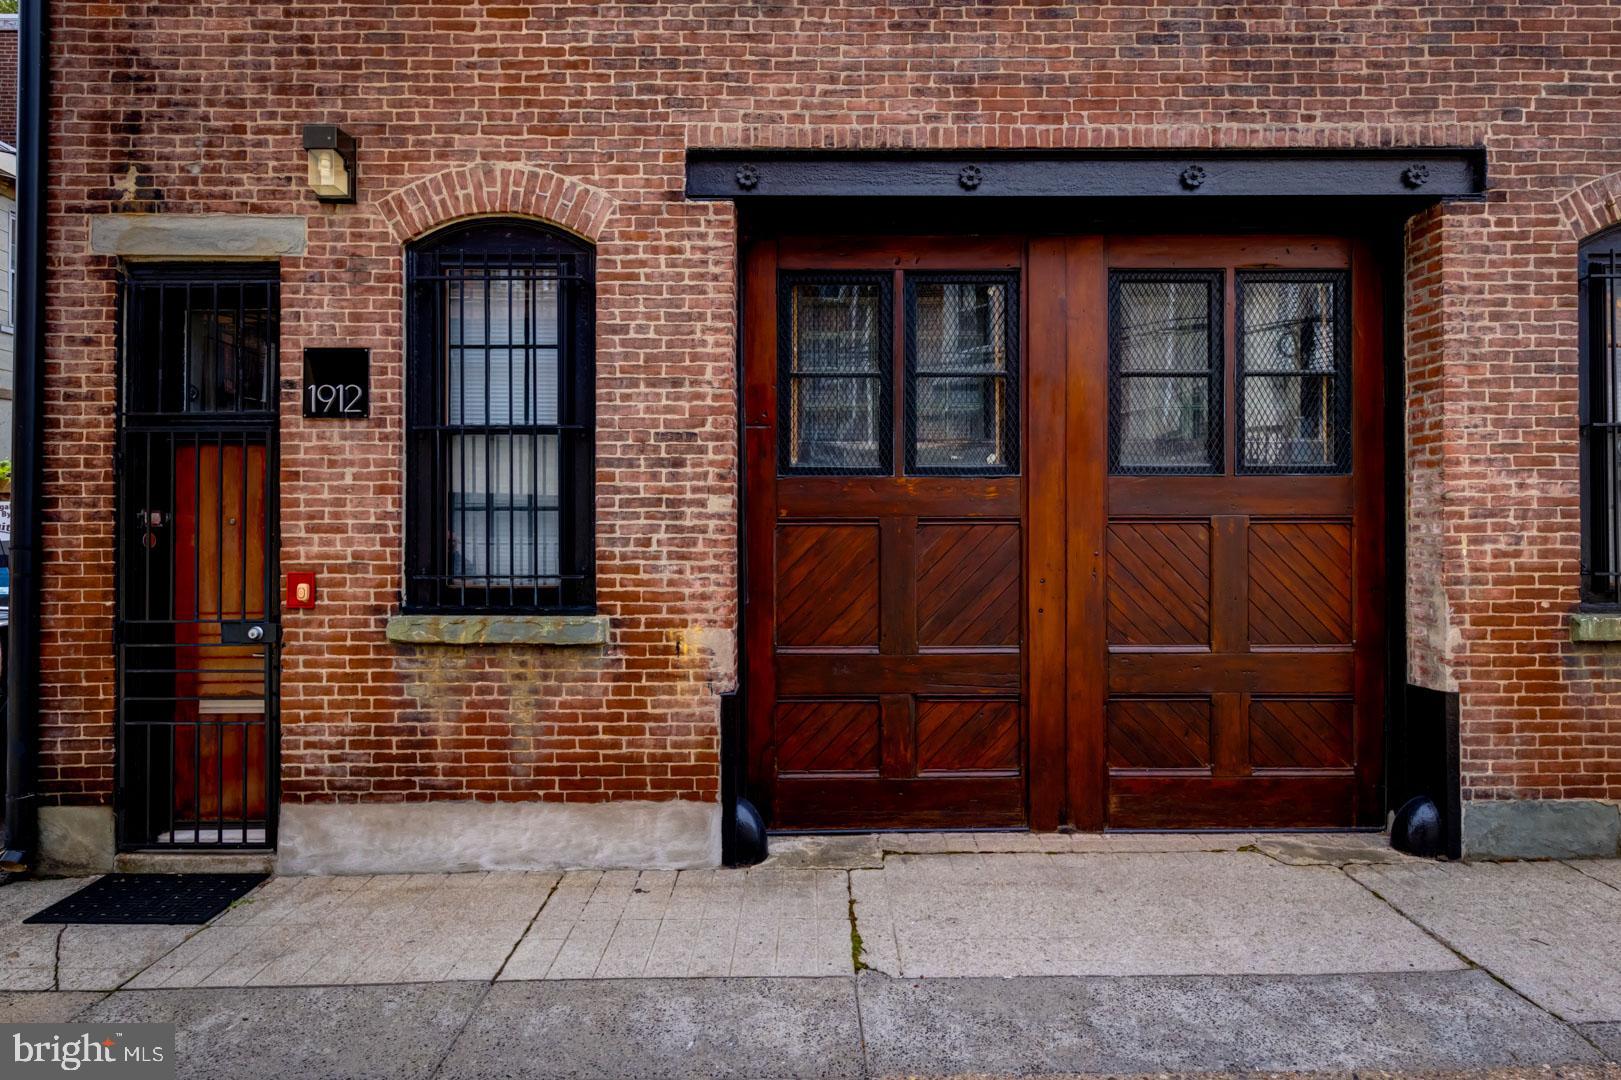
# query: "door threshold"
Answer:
x=195 y=861
x=901 y=832
x=1071 y=831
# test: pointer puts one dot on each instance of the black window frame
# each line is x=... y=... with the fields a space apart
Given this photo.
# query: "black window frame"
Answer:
x=1343 y=373
x=514 y=245
x=165 y=279
x=1215 y=283
x=1009 y=280
x=787 y=281
x=1599 y=348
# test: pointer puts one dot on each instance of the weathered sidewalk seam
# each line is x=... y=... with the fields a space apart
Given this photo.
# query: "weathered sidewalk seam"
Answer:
x=1576 y=865
x=439 y=1066
x=530 y=925
x=1467 y=959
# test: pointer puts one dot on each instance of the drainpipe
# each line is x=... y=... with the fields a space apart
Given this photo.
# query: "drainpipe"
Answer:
x=742 y=829
x=28 y=425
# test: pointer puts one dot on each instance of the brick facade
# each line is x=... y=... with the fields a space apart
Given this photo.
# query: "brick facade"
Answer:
x=581 y=115
x=8 y=79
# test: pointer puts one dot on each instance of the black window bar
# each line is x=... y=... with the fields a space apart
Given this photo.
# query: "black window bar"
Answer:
x=499 y=421
x=1600 y=347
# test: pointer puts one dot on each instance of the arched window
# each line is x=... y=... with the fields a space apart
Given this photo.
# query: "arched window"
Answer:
x=499 y=395
x=1601 y=416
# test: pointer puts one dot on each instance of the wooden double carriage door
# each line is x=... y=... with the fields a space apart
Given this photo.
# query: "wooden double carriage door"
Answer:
x=1064 y=531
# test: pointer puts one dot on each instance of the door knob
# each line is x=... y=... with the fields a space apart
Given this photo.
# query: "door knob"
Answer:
x=256 y=633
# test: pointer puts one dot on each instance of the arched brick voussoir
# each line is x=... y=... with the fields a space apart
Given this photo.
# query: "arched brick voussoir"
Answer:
x=467 y=191
x=1594 y=206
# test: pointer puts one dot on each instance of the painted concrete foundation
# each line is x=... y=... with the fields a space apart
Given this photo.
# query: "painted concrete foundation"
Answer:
x=76 y=840
x=452 y=837
x=461 y=836
x=1541 y=829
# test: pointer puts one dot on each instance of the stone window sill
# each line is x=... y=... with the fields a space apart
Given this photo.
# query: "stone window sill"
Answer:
x=530 y=630
x=1590 y=626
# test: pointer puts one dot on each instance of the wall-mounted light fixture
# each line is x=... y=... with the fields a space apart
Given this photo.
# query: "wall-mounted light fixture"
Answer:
x=331 y=152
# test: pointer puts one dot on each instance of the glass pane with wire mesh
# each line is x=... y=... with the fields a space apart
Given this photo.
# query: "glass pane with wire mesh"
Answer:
x=1294 y=372
x=834 y=360
x=499 y=421
x=1601 y=419
x=962 y=415
x=1165 y=371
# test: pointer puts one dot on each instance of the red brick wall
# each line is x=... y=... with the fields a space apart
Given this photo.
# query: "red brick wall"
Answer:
x=197 y=107
x=8 y=82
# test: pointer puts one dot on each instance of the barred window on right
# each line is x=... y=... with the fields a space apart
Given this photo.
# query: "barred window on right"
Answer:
x=1600 y=346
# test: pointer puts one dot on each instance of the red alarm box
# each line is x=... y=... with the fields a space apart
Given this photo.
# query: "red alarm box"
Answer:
x=300 y=590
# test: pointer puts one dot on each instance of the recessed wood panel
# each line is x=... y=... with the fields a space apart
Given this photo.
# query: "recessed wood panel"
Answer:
x=1300 y=583
x=1159 y=734
x=1159 y=583
x=827 y=737
x=986 y=674
x=967 y=736
x=1268 y=801
x=968 y=585
x=827 y=585
x=1312 y=733
x=935 y=801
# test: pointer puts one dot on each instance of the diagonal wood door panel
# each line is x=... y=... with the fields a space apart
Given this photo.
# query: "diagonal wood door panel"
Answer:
x=827 y=585
x=1300 y=583
x=1159 y=734
x=967 y=736
x=1310 y=733
x=1159 y=583
x=968 y=585
x=827 y=736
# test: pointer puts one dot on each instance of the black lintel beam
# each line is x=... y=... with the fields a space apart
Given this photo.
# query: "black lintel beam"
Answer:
x=1428 y=174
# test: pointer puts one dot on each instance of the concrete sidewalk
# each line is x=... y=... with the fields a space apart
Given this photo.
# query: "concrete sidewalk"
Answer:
x=962 y=954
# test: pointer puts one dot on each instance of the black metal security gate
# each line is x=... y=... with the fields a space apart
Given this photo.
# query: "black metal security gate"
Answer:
x=1601 y=417
x=197 y=622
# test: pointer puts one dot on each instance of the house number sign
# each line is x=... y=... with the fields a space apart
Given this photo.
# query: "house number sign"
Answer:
x=337 y=383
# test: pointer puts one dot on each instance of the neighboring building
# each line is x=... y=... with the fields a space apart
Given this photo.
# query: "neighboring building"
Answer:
x=8 y=235
x=8 y=288
x=1044 y=415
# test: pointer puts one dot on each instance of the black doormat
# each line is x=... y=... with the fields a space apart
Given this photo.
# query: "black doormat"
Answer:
x=173 y=899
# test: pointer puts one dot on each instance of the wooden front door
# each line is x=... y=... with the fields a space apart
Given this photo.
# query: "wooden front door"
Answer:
x=1240 y=535
x=885 y=610
x=1055 y=531
x=220 y=585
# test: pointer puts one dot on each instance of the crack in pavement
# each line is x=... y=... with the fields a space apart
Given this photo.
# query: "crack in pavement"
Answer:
x=530 y=925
